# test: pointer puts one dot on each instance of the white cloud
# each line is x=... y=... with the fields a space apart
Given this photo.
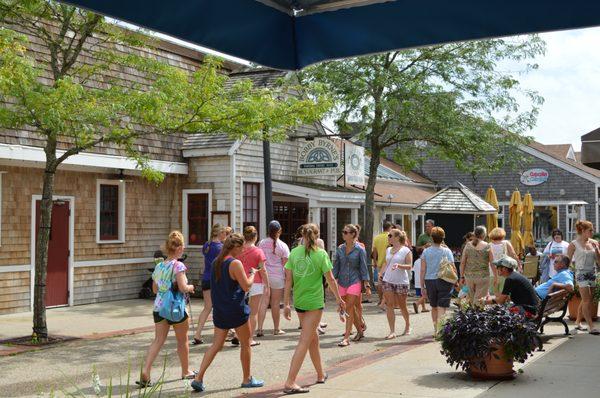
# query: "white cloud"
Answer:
x=569 y=80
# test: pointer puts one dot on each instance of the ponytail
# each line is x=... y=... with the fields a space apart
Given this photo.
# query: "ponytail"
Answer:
x=310 y=235
x=234 y=240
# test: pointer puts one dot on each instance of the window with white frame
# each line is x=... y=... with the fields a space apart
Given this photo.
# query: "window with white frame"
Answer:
x=110 y=211
x=196 y=216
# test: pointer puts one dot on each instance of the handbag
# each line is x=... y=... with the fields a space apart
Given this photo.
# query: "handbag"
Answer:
x=173 y=307
x=447 y=271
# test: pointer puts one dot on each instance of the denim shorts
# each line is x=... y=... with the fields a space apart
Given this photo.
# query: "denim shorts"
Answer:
x=439 y=292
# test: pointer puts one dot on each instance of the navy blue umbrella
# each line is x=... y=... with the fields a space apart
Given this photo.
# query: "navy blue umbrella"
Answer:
x=291 y=34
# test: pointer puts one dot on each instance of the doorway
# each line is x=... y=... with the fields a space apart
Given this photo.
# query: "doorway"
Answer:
x=291 y=215
x=59 y=252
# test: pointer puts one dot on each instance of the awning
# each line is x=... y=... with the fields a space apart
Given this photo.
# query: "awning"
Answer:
x=291 y=34
x=456 y=199
x=322 y=195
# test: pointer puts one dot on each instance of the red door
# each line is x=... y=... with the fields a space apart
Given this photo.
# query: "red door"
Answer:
x=57 y=279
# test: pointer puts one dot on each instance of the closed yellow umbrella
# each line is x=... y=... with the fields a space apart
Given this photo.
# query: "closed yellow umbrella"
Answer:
x=528 y=220
x=515 y=213
x=492 y=219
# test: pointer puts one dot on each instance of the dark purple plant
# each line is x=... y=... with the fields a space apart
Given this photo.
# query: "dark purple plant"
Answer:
x=471 y=335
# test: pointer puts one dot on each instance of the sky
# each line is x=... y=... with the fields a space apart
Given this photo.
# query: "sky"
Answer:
x=569 y=80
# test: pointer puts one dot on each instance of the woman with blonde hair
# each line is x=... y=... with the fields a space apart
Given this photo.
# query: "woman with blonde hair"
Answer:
x=475 y=266
x=396 y=280
x=253 y=258
x=276 y=254
x=169 y=275
x=350 y=271
x=229 y=286
x=210 y=250
x=305 y=268
x=500 y=247
x=585 y=253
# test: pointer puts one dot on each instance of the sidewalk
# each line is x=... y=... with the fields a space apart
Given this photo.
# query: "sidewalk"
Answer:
x=568 y=367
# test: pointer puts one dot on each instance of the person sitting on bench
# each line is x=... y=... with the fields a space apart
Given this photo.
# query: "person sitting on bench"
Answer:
x=517 y=288
x=562 y=280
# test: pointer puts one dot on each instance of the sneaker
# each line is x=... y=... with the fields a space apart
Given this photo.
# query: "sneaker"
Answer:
x=198 y=386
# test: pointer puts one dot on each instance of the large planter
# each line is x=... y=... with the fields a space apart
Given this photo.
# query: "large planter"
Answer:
x=574 y=305
x=495 y=368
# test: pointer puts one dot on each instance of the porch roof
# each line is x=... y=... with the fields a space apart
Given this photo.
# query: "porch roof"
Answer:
x=458 y=199
x=322 y=195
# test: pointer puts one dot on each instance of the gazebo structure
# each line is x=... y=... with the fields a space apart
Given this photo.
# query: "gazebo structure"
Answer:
x=455 y=209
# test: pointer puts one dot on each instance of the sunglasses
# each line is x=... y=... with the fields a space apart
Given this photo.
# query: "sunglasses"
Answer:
x=346 y=232
x=393 y=236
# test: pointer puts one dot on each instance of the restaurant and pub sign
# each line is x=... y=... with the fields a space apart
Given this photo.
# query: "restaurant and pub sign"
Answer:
x=319 y=157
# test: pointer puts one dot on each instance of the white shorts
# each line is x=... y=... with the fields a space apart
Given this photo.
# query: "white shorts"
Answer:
x=256 y=289
x=276 y=283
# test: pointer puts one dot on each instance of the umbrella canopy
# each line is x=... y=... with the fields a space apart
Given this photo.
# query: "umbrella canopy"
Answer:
x=528 y=220
x=291 y=34
x=491 y=219
x=515 y=217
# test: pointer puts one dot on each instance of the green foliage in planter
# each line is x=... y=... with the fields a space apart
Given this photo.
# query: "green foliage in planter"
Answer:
x=469 y=335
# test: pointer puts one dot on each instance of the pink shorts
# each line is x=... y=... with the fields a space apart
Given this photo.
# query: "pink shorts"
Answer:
x=353 y=290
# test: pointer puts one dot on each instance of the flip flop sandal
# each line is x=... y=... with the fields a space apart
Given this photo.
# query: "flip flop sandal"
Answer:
x=198 y=386
x=190 y=376
x=324 y=379
x=359 y=336
x=260 y=334
x=255 y=344
x=580 y=328
x=253 y=383
x=279 y=333
x=144 y=383
x=197 y=341
x=235 y=341
x=344 y=343
x=391 y=337
x=290 y=391
x=595 y=332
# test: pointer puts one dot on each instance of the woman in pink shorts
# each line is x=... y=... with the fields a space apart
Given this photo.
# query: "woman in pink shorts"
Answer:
x=350 y=270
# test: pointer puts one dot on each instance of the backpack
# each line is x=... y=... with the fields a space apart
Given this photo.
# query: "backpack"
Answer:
x=173 y=308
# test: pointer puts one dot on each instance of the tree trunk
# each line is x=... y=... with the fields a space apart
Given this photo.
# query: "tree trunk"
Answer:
x=370 y=202
x=40 y=328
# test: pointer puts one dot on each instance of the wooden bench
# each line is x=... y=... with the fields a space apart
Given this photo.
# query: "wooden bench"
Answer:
x=555 y=302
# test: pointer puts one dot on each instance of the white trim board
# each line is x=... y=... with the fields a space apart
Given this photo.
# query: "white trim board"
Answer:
x=118 y=261
x=101 y=161
x=15 y=268
x=122 y=210
x=71 y=200
x=184 y=209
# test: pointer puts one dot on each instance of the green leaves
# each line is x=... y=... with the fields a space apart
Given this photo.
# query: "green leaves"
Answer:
x=105 y=84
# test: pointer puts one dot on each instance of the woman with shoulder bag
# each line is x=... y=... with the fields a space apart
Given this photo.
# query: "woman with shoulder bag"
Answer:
x=438 y=291
x=165 y=275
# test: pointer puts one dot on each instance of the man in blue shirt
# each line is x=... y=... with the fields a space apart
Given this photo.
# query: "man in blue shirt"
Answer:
x=562 y=280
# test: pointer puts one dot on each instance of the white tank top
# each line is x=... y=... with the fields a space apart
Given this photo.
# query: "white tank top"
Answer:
x=584 y=259
x=396 y=276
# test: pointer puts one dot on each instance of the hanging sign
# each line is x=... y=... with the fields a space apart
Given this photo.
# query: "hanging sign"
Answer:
x=534 y=177
x=319 y=157
x=354 y=164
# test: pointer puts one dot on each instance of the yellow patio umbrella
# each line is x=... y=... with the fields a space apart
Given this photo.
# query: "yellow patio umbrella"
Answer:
x=492 y=219
x=515 y=211
x=528 y=220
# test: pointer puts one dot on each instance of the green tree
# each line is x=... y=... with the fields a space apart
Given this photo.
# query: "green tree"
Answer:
x=75 y=104
x=458 y=102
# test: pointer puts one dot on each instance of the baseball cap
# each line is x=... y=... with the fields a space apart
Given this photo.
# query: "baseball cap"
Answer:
x=506 y=262
x=274 y=226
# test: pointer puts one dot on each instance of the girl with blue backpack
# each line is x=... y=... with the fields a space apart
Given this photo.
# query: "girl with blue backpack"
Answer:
x=170 y=285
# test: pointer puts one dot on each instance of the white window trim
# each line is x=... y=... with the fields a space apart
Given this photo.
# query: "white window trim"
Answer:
x=122 y=196
x=184 y=211
x=261 y=205
x=1 y=172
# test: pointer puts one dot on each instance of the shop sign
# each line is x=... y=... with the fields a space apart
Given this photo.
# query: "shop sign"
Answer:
x=354 y=164
x=319 y=157
x=534 y=177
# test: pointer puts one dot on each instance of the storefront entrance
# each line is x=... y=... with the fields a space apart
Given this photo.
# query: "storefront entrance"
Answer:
x=291 y=215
